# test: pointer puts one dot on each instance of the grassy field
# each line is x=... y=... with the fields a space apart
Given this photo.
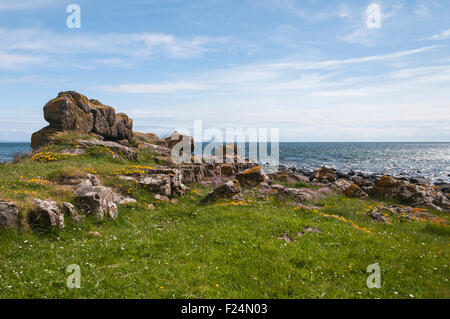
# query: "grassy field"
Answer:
x=222 y=250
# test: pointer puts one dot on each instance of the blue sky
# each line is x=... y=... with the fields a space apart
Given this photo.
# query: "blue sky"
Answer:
x=311 y=68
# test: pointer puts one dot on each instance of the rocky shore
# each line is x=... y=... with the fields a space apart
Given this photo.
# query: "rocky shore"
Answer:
x=79 y=126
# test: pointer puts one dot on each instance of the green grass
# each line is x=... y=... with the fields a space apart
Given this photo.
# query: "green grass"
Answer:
x=191 y=250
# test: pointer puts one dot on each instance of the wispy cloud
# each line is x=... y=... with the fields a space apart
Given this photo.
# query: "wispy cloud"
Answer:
x=129 y=45
x=336 y=63
x=11 y=61
x=153 y=87
x=441 y=36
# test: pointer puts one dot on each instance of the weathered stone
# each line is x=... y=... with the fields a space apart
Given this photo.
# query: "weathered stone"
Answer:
x=354 y=191
x=288 y=176
x=341 y=185
x=72 y=111
x=159 y=184
x=46 y=213
x=250 y=177
x=298 y=194
x=414 y=195
x=378 y=217
x=151 y=138
x=9 y=215
x=224 y=191
x=158 y=149
x=324 y=174
x=97 y=201
x=113 y=146
x=69 y=111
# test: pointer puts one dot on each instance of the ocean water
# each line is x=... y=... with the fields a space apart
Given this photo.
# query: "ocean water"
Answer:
x=7 y=150
x=429 y=160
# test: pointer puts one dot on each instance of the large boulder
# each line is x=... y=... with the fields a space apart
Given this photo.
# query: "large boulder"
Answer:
x=69 y=111
x=72 y=111
x=46 y=213
x=228 y=190
x=9 y=215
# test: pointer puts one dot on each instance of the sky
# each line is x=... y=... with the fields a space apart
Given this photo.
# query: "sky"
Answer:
x=311 y=68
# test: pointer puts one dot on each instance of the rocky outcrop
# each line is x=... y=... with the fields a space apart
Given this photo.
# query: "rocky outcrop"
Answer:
x=411 y=194
x=228 y=190
x=46 y=213
x=115 y=147
x=164 y=181
x=9 y=215
x=72 y=111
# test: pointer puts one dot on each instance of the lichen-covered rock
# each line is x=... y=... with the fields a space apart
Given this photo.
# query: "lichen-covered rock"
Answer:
x=159 y=184
x=324 y=174
x=251 y=177
x=354 y=191
x=46 y=213
x=72 y=111
x=9 y=215
x=69 y=111
x=227 y=190
x=97 y=201
x=411 y=194
x=378 y=217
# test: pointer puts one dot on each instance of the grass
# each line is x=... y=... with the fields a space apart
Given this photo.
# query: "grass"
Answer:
x=222 y=250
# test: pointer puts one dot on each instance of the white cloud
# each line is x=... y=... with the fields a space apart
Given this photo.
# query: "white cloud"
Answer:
x=130 y=45
x=11 y=61
x=441 y=36
x=335 y=63
x=153 y=87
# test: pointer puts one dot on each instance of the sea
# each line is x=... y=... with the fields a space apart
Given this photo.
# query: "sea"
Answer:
x=427 y=160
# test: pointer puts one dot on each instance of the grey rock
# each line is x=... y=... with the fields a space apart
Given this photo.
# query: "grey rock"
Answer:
x=46 y=213
x=9 y=215
x=97 y=201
